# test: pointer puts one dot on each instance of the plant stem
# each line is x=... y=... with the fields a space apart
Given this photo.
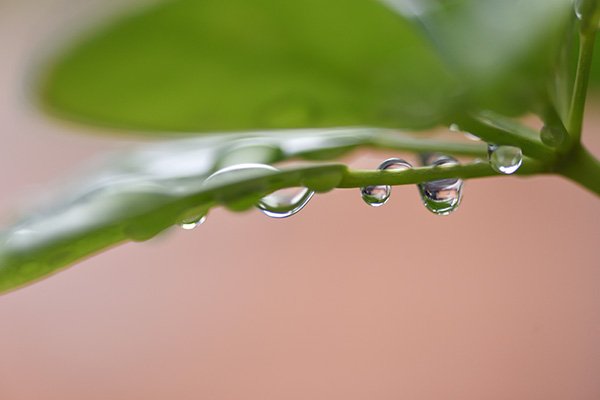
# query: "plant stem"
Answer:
x=360 y=178
x=583 y=168
x=503 y=131
x=584 y=65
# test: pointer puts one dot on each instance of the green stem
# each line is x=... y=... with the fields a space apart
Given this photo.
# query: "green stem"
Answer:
x=583 y=168
x=584 y=65
x=503 y=131
x=360 y=178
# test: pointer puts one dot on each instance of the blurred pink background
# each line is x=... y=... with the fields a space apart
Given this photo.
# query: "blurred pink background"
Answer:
x=501 y=300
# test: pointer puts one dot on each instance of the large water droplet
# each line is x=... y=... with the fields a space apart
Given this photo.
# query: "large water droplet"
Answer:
x=505 y=159
x=280 y=204
x=285 y=202
x=442 y=196
x=191 y=223
x=552 y=136
x=378 y=195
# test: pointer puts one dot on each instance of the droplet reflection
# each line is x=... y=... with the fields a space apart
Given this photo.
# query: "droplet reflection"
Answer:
x=191 y=223
x=505 y=159
x=442 y=196
x=285 y=202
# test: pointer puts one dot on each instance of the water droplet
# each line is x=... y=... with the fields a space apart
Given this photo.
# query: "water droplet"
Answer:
x=552 y=136
x=285 y=202
x=191 y=223
x=441 y=196
x=455 y=128
x=378 y=195
x=375 y=195
x=280 y=204
x=578 y=7
x=505 y=159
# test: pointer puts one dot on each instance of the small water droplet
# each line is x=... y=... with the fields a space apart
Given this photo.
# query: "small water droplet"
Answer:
x=285 y=202
x=552 y=136
x=505 y=159
x=578 y=8
x=455 y=128
x=375 y=196
x=442 y=196
x=378 y=195
x=191 y=223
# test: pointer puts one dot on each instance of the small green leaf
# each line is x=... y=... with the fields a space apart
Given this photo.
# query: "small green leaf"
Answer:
x=209 y=65
x=140 y=193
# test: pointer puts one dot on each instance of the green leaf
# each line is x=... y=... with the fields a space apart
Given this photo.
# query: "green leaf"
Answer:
x=504 y=51
x=210 y=65
x=214 y=65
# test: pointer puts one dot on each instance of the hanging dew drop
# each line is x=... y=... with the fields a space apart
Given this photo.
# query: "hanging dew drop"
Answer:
x=375 y=196
x=285 y=202
x=280 y=204
x=378 y=195
x=552 y=136
x=442 y=196
x=505 y=159
x=191 y=223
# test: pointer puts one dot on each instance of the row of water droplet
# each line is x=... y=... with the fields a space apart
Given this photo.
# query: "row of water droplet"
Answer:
x=439 y=196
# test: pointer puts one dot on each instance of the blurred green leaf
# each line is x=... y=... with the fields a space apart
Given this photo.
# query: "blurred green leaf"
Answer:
x=504 y=51
x=212 y=65
x=215 y=65
x=595 y=74
x=137 y=194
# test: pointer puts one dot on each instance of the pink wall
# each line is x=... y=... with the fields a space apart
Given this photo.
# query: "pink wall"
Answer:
x=498 y=301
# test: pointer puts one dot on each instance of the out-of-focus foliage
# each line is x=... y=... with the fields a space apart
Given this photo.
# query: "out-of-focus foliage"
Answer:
x=213 y=65
x=595 y=76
